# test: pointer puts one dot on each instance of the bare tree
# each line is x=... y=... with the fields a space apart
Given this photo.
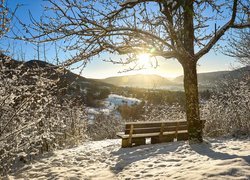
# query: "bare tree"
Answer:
x=6 y=16
x=184 y=30
x=4 y=19
x=239 y=47
x=33 y=119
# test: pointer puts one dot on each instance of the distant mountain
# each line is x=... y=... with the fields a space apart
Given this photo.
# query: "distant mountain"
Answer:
x=49 y=70
x=76 y=85
x=205 y=80
x=139 y=80
x=213 y=77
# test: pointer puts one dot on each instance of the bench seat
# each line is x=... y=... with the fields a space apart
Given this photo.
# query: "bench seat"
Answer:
x=148 y=135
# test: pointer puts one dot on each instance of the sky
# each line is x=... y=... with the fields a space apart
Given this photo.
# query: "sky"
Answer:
x=170 y=68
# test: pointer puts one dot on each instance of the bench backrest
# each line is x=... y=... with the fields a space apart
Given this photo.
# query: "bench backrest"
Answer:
x=153 y=127
x=156 y=126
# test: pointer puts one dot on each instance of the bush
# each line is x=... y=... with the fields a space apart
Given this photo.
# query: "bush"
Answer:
x=132 y=112
x=152 y=112
x=228 y=112
x=33 y=118
x=105 y=127
x=164 y=112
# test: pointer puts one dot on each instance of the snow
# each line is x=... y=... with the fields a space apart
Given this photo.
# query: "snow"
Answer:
x=110 y=105
x=117 y=100
x=213 y=159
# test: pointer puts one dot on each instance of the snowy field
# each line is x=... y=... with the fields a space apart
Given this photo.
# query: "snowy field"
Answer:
x=213 y=159
x=115 y=100
x=110 y=105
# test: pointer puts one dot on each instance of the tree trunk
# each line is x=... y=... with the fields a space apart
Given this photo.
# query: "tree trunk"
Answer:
x=188 y=62
x=192 y=102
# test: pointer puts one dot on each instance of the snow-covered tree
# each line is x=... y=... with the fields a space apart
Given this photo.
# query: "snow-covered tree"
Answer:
x=33 y=118
x=164 y=112
x=105 y=127
x=4 y=18
x=239 y=47
x=228 y=111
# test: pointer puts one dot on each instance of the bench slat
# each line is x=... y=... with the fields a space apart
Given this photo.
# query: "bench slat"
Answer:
x=155 y=129
x=173 y=128
x=143 y=130
x=147 y=125
x=126 y=136
x=145 y=135
x=155 y=124
x=121 y=135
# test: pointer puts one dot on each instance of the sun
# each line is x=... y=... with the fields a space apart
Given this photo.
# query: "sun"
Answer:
x=144 y=60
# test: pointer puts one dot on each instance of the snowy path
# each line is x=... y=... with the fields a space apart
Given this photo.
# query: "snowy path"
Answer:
x=216 y=159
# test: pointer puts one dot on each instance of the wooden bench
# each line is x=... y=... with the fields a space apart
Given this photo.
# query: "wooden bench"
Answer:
x=136 y=133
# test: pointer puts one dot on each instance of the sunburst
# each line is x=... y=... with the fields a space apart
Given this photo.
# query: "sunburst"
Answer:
x=144 y=60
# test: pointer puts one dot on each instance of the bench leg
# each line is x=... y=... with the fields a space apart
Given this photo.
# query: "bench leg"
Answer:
x=138 y=141
x=155 y=140
x=135 y=142
x=162 y=139
x=182 y=137
x=168 y=138
x=125 y=143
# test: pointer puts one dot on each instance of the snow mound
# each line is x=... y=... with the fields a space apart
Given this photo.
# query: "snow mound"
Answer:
x=213 y=159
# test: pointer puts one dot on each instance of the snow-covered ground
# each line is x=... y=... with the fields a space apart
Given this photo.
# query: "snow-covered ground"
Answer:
x=213 y=159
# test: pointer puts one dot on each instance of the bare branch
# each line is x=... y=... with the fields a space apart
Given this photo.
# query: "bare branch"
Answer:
x=240 y=26
x=219 y=33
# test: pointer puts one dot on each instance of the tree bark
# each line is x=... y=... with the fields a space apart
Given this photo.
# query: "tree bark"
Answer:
x=192 y=101
x=189 y=62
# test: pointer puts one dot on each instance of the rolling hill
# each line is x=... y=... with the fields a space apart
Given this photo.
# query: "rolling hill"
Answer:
x=205 y=80
x=73 y=81
x=139 y=80
x=69 y=85
x=213 y=77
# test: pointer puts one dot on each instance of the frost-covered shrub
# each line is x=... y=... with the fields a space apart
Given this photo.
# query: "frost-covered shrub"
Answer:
x=133 y=112
x=228 y=111
x=152 y=112
x=33 y=118
x=105 y=127
x=163 y=113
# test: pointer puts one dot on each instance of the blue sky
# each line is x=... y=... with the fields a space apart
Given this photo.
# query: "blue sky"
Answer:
x=213 y=61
